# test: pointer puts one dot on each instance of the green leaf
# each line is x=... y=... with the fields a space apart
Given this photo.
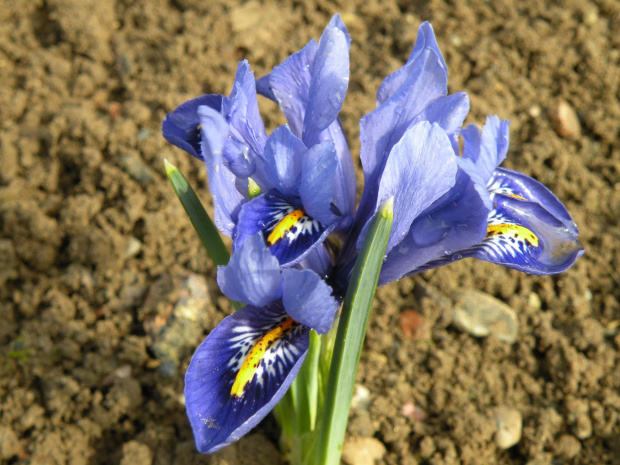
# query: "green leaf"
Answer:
x=208 y=233
x=350 y=337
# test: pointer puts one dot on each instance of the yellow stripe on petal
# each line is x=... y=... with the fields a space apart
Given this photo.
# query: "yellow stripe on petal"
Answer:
x=516 y=196
x=252 y=361
x=285 y=226
x=519 y=232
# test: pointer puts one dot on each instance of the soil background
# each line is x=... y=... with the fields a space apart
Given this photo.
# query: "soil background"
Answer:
x=106 y=290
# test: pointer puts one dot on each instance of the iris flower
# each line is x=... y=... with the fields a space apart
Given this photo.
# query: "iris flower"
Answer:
x=280 y=196
x=247 y=363
x=297 y=185
x=490 y=213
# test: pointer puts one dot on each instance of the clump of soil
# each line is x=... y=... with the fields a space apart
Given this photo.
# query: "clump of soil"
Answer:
x=89 y=228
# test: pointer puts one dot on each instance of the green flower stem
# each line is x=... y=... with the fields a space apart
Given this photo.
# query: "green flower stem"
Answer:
x=308 y=386
x=208 y=233
x=350 y=338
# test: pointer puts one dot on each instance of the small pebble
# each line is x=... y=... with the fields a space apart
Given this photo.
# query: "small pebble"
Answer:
x=133 y=165
x=134 y=246
x=361 y=398
x=363 y=451
x=590 y=17
x=413 y=412
x=534 y=301
x=412 y=325
x=481 y=315
x=534 y=111
x=456 y=40
x=122 y=372
x=509 y=425
x=565 y=121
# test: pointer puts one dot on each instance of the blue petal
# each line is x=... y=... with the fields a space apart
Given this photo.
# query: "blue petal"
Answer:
x=319 y=259
x=240 y=372
x=181 y=127
x=328 y=85
x=337 y=22
x=392 y=83
x=456 y=221
x=449 y=112
x=308 y=299
x=226 y=198
x=488 y=149
x=290 y=83
x=263 y=87
x=288 y=230
x=283 y=160
x=518 y=185
x=344 y=195
x=420 y=169
x=384 y=127
x=247 y=137
x=478 y=181
x=317 y=181
x=252 y=275
x=524 y=236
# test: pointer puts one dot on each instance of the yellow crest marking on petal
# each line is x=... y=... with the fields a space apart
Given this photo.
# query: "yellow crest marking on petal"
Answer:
x=516 y=196
x=519 y=232
x=285 y=226
x=250 y=365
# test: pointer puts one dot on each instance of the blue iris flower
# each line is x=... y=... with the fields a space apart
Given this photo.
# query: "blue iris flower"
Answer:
x=303 y=171
x=248 y=362
x=450 y=205
x=280 y=196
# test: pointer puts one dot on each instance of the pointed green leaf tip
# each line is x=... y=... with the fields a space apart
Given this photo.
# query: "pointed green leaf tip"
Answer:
x=170 y=168
x=253 y=188
x=387 y=209
x=208 y=233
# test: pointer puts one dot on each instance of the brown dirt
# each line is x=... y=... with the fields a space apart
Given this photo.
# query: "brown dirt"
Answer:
x=91 y=236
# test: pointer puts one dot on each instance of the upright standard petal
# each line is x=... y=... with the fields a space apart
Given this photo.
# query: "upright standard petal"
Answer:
x=420 y=169
x=336 y=21
x=284 y=155
x=253 y=274
x=245 y=145
x=240 y=372
x=392 y=83
x=344 y=194
x=181 y=127
x=317 y=181
x=385 y=126
x=487 y=148
x=308 y=299
x=328 y=84
x=289 y=83
x=226 y=198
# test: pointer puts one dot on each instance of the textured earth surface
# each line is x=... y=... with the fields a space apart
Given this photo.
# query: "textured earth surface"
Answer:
x=105 y=289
